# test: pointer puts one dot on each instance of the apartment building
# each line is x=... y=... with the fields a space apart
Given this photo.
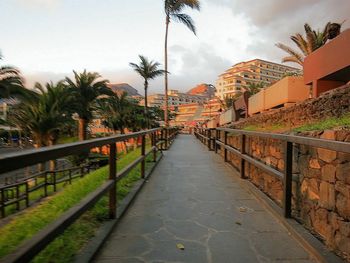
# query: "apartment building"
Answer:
x=239 y=76
x=193 y=113
x=175 y=98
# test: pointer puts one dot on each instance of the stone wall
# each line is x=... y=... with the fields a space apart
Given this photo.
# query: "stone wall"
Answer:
x=321 y=184
x=333 y=103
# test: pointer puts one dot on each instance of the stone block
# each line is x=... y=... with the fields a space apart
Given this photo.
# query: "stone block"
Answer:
x=327 y=196
x=310 y=189
x=334 y=220
x=343 y=188
x=321 y=225
x=343 y=206
x=328 y=135
x=343 y=157
x=344 y=228
x=314 y=164
x=328 y=173
x=326 y=155
x=342 y=243
x=343 y=173
x=280 y=164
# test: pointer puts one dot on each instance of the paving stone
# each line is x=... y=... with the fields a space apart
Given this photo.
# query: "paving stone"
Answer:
x=278 y=246
x=194 y=198
x=228 y=247
x=167 y=251
x=124 y=246
x=139 y=225
x=188 y=230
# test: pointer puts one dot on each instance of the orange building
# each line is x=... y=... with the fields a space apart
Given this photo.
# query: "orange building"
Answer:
x=191 y=114
x=329 y=66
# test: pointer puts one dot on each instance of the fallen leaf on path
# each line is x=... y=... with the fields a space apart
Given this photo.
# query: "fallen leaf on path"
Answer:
x=242 y=209
x=180 y=246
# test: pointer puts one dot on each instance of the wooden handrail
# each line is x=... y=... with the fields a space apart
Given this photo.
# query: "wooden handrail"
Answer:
x=9 y=162
x=288 y=141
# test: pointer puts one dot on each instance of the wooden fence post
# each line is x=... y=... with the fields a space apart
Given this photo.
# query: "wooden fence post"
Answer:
x=243 y=138
x=287 y=179
x=209 y=140
x=225 y=150
x=143 y=151
x=154 y=143
x=113 y=176
x=2 y=203
x=216 y=138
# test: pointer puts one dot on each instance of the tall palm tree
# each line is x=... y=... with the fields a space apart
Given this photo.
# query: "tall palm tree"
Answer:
x=11 y=82
x=314 y=40
x=86 y=88
x=147 y=70
x=173 y=11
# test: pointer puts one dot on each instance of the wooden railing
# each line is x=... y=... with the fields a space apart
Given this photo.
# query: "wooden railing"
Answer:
x=211 y=138
x=13 y=194
x=160 y=138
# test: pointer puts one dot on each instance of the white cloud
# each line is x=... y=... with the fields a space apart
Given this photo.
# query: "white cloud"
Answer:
x=49 y=4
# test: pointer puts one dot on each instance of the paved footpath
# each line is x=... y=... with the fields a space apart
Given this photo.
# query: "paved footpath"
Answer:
x=195 y=200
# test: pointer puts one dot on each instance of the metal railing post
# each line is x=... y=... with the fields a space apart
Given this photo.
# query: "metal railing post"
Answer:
x=243 y=138
x=143 y=151
x=113 y=176
x=287 y=179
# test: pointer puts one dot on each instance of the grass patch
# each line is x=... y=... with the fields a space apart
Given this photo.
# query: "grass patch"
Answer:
x=270 y=128
x=326 y=124
x=64 y=248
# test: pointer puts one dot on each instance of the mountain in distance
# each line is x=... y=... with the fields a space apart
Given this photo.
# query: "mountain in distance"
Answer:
x=119 y=88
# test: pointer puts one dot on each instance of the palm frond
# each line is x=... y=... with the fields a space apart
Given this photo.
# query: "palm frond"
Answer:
x=186 y=20
x=298 y=57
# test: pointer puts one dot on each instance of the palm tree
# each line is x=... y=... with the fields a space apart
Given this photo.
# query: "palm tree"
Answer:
x=314 y=40
x=11 y=83
x=43 y=114
x=147 y=70
x=173 y=11
x=86 y=88
x=116 y=112
x=254 y=87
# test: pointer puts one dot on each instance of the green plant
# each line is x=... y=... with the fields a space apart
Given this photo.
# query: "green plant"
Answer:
x=86 y=88
x=329 y=123
x=147 y=70
x=314 y=40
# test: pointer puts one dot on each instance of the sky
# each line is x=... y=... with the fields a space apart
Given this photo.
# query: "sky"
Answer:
x=48 y=39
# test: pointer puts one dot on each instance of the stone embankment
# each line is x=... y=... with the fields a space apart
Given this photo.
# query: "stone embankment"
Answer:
x=321 y=184
x=321 y=178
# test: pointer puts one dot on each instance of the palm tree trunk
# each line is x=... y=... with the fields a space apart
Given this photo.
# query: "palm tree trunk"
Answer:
x=146 y=105
x=166 y=71
x=82 y=129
